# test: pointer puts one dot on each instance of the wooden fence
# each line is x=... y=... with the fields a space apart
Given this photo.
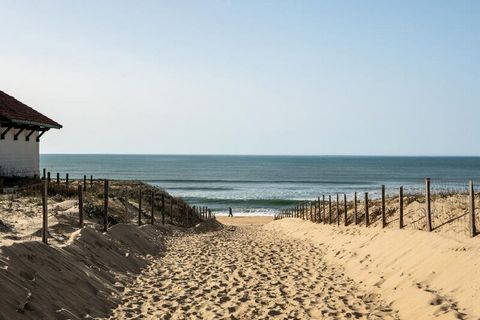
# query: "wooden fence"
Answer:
x=159 y=204
x=428 y=214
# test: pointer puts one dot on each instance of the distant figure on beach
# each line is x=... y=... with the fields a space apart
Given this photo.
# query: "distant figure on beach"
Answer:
x=230 y=214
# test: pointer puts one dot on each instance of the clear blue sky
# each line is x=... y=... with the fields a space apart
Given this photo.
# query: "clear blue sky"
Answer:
x=248 y=77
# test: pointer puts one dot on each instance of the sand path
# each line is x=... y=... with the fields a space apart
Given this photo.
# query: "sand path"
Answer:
x=245 y=272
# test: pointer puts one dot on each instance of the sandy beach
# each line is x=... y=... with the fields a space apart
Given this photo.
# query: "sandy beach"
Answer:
x=421 y=275
x=241 y=267
x=246 y=272
x=245 y=220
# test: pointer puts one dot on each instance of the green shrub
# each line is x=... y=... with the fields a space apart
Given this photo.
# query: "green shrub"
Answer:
x=93 y=210
x=96 y=211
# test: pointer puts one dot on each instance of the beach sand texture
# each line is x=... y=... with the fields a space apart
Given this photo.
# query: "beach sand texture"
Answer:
x=245 y=272
x=423 y=275
x=251 y=268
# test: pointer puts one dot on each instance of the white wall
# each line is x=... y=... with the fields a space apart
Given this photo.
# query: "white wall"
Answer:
x=19 y=157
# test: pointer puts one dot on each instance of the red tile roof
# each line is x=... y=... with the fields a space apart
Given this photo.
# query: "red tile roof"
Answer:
x=17 y=112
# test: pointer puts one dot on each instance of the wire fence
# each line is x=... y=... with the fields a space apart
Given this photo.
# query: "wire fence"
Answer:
x=440 y=208
x=54 y=208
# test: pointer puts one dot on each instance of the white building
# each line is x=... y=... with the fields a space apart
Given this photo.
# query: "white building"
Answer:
x=20 y=130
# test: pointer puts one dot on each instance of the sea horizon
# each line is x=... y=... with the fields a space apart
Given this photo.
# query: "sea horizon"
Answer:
x=265 y=184
x=265 y=155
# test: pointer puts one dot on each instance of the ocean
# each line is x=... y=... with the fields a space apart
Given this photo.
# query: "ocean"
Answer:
x=254 y=185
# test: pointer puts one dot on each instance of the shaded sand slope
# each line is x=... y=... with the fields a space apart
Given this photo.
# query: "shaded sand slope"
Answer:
x=424 y=275
x=82 y=278
x=245 y=272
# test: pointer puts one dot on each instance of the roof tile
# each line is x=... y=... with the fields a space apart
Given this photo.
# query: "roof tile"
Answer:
x=16 y=111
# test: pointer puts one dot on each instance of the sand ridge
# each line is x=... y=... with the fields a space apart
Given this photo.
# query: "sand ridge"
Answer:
x=245 y=272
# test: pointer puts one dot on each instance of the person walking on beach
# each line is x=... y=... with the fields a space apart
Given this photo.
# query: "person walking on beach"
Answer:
x=230 y=214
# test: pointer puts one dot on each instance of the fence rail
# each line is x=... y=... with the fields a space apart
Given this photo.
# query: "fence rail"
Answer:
x=429 y=211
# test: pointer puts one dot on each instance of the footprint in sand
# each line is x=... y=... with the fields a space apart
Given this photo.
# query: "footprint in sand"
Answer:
x=245 y=273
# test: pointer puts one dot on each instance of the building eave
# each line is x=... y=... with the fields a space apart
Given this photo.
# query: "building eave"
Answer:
x=33 y=123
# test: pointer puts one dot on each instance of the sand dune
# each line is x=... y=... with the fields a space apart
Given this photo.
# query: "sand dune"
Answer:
x=250 y=269
x=245 y=272
x=78 y=280
x=423 y=275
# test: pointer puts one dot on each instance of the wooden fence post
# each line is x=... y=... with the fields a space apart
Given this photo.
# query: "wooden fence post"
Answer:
x=58 y=178
x=105 y=205
x=127 y=217
x=367 y=218
x=338 y=211
x=319 y=213
x=45 y=213
x=67 y=183
x=329 y=209
x=91 y=182
x=345 y=214
x=84 y=183
x=473 y=228
x=428 y=205
x=324 y=213
x=355 y=212
x=163 y=208
x=171 y=211
x=384 y=218
x=152 y=220
x=48 y=177
x=311 y=211
x=400 y=200
x=44 y=176
x=183 y=215
x=140 y=207
x=80 y=206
